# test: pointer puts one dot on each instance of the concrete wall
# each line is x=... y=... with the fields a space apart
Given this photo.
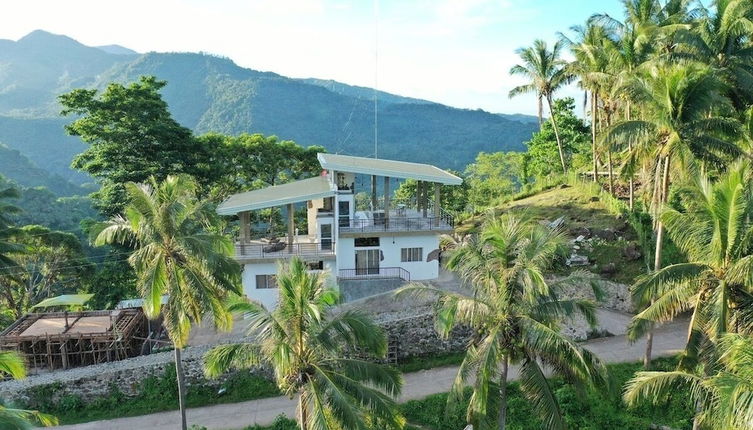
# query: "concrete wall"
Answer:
x=268 y=296
x=390 y=247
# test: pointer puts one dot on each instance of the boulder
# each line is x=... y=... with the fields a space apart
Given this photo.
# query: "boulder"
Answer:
x=606 y=234
x=609 y=269
x=632 y=252
x=584 y=232
x=577 y=260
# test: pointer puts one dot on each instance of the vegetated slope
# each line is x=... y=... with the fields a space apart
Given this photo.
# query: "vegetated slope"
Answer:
x=213 y=94
x=44 y=142
x=39 y=66
x=16 y=167
x=608 y=240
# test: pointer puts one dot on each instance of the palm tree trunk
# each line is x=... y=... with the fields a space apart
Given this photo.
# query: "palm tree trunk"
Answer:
x=303 y=414
x=658 y=253
x=556 y=134
x=181 y=389
x=541 y=112
x=611 y=173
x=631 y=184
x=503 y=394
x=594 y=99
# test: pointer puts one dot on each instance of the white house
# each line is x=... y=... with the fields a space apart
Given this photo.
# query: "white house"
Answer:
x=384 y=240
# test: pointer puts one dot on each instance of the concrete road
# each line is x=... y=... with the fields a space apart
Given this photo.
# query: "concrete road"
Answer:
x=668 y=340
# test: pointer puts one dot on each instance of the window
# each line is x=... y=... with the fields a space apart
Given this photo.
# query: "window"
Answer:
x=316 y=265
x=411 y=254
x=366 y=241
x=266 y=281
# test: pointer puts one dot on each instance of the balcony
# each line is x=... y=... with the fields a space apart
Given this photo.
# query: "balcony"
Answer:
x=400 y=220
x=302 y=247
x=374 y=273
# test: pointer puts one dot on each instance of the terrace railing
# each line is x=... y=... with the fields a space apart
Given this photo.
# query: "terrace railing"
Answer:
x=357 y=225
x=282 y=250
x=375 y=273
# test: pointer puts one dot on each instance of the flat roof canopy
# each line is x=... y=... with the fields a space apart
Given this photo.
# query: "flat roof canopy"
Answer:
x=278 y=195
x=390 y=168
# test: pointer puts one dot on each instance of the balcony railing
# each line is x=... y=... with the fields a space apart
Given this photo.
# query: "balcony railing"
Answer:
x=360 y=225
x=375 y=273
x=282 y=250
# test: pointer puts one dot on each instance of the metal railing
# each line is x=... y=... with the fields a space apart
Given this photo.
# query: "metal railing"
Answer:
x=375 y=273
x=282 y=250
x=444 y=222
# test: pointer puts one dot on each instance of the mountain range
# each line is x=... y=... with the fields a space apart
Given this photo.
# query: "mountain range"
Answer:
x=209 y=93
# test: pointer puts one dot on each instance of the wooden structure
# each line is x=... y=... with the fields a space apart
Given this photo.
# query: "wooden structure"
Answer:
x=61 y=340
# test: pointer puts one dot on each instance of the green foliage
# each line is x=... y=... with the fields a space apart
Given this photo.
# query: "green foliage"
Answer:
x=493 y=176
x=454 y=198
x=131 y=137
x=154 y=394
x=15 y=166
x=414 y=364
x=591 y=410
x=576 y=141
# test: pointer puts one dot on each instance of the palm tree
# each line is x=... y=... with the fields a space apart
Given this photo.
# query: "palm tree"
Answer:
x=724 y=400
x=515 y=314
x=714 y=229
x=722 y=39
x=681 y=123
x=175 y=255
x=590 y=66
x=308 y=346
x=546 y=72
x=11 y=364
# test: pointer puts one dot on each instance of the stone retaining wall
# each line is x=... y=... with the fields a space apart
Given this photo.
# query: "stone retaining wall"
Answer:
x=414 y=336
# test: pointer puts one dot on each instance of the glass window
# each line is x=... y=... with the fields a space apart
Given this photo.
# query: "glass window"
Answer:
x=266 y=281
x=366 y=241
x=411 y=254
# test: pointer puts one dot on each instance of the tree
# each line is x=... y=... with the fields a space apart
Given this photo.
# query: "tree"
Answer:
x=683 y=121
x=309 y=348
x=11 y=364
x=50 y=263
x=131 y=137
x=724 y=399
x=175 y=253
x=252 y=161
x=491 y=177
x=713 y=228
x=453 y=198
x=515 y=314
x=542 y=146
x=547 y=74
x=7 y=230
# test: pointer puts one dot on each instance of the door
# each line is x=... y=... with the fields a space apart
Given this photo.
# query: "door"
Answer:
x=343 y=210
x=326 y=237
x=367 y=262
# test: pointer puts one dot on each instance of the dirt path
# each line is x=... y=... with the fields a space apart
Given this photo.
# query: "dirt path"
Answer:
x=668 y=340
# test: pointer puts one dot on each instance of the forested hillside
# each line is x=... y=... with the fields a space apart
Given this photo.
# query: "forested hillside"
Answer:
x=208 y=93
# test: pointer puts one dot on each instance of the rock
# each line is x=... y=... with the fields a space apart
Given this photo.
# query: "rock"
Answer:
x=632 y=252
x=581 y=232
x=557 y=223
x=609 y=269
x=606 y=234
x=577 y=260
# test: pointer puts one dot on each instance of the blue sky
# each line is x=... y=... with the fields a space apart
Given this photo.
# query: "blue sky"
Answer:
x=455 y=52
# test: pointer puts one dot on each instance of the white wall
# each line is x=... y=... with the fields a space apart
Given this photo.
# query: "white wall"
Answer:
x=346 y=254
x=268 y=296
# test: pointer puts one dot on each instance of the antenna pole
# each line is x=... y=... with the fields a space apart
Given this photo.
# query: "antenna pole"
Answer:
x=376 y=77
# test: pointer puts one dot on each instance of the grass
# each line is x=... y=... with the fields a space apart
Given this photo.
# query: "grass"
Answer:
x=414 y=364
x=584 y=411
x=156 y=394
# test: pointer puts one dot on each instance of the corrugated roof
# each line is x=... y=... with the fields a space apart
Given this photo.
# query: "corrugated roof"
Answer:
x=391 y=168
x=278 y=195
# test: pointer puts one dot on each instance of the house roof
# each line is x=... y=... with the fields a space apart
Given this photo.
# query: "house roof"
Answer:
x=390 y=168
x=278 y=195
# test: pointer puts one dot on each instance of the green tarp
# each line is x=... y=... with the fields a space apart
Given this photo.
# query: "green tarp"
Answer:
x=64 y=300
